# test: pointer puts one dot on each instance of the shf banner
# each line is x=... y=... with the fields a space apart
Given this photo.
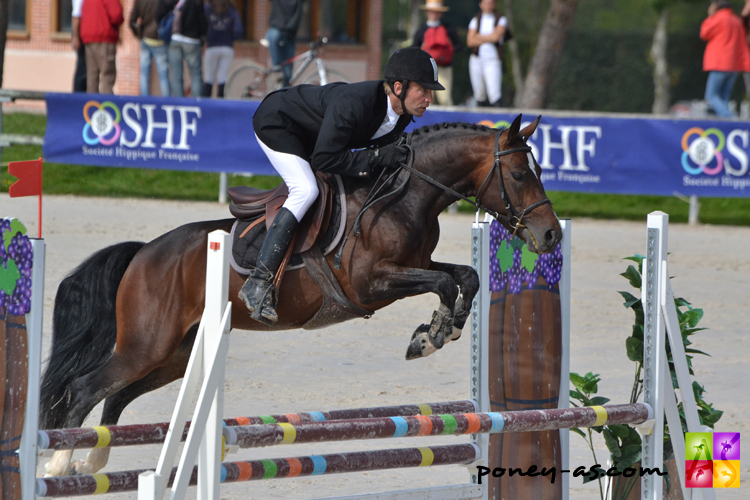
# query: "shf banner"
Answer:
x=209 y=135
x=627 y=155
x=632 y=155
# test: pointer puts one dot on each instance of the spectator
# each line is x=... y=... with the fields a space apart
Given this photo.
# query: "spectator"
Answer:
x=79 y=77
x=187 y=36
x=282 y=32
x=100 y=32
x=485 y=38
x=224 y=27
x=440 y=40
x=726 y=54
x=746 y=22
x=144 y=26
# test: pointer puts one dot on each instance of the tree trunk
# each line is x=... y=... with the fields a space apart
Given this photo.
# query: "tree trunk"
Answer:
x=4 y=33
x=661 y=65
x=549 y=47
x=515 y=58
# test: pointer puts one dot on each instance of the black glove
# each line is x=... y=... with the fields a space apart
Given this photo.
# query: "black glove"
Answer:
x=389 y=156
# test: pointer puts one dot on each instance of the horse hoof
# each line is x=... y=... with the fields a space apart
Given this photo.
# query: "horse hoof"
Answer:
x=423 y=328
x=420 y=347
x=455 y=335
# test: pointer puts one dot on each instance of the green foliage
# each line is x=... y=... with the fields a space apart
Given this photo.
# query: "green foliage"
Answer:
x=623 y=442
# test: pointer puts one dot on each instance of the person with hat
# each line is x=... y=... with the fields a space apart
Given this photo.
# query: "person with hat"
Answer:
x=341 y=128
x=441 y=41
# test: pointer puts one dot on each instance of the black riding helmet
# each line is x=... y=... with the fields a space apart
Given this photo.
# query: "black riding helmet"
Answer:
x=411 y=64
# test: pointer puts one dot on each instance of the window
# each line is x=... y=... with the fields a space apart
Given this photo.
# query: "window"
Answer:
x=17 y=15
x=64 y=11
x=339 y=20
x=246 y=10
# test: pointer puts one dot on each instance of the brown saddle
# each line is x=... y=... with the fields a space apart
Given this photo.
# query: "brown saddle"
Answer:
x=248 y=202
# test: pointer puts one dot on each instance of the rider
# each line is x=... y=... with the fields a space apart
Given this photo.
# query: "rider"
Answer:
x=306 y=128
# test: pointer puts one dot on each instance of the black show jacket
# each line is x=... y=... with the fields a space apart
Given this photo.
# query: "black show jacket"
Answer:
x=323 y=124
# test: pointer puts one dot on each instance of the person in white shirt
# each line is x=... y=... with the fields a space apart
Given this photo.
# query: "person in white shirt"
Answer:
x=485 y=38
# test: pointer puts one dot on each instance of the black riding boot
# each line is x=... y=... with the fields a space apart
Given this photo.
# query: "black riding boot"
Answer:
x=207 y=89
x=220 y=91
x=258 y=292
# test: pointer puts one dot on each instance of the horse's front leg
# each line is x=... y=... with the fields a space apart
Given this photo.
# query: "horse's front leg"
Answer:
x=391 y=282
x=467 y=280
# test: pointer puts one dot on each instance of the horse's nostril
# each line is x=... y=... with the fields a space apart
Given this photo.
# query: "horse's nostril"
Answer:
x=550 y=237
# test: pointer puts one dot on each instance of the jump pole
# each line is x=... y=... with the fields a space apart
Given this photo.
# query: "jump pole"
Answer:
x=141 y=434
x=358 y=429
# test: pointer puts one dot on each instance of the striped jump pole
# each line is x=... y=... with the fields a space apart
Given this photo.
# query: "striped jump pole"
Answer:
x=232 y=472
x=133 y=435
x=255 y=436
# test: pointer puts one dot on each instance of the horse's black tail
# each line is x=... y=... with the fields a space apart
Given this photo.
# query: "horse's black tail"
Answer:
x=84 y=328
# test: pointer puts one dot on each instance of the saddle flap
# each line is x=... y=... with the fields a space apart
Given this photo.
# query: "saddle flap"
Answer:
x=250 y=202
x=316 y=219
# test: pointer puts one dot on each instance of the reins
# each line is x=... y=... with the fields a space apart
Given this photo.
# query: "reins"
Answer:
x=514 y=218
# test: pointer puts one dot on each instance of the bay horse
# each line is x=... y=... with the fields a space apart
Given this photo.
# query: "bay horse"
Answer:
x=125 y=320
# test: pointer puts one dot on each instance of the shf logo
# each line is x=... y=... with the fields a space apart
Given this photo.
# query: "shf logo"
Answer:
x=698 y=154
x=101 y=123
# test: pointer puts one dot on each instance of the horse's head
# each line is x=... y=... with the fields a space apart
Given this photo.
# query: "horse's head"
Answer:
x=508 y=183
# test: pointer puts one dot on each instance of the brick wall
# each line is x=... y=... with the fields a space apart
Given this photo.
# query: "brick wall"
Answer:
x=44 y=43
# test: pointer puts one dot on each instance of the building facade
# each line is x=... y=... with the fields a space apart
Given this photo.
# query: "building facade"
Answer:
x=38 y=55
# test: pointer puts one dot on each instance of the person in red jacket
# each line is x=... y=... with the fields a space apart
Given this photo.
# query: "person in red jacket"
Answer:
x=100 y=32
x=726 y=54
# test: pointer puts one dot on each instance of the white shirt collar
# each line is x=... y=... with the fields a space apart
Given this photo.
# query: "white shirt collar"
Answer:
x=389 y=122
x=433 y=24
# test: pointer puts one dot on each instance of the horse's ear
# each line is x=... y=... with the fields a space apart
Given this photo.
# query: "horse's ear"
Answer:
x=513 y=130
x=529 y=130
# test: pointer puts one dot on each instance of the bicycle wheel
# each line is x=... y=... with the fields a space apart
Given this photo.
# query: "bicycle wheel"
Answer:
x=247 y=81
x=331 y=75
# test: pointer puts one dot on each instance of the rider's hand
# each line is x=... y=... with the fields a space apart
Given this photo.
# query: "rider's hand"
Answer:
x=389 y=156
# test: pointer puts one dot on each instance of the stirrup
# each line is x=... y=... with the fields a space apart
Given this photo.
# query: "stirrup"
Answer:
x=260 y=298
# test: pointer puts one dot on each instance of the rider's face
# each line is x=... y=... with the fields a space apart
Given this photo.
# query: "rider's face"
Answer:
x=417 y=100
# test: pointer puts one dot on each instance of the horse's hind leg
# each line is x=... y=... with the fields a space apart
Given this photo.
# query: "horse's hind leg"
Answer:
x=468 y=282
x=86 y=392
x=115 y=404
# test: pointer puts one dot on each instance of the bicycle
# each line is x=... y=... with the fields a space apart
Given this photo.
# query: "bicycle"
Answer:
x=251 y=80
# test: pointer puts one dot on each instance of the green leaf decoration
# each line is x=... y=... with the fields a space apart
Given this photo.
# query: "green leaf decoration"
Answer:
x=613 y=445
x=8 y=276
x=693 y=317
x=599 y=401
x=633 y=276
x=630 y=300
x=578 y=431
x=528 y=259
x=634 y=348
x=505 y=256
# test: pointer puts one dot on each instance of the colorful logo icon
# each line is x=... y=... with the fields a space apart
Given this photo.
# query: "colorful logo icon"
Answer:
x=103 y=124
x=712 y=459
x=699 y=150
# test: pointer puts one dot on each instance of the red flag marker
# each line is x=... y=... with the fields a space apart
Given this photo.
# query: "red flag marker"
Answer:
x=29 y=183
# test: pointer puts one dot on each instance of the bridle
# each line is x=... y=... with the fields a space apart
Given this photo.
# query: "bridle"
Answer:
x=514 y=219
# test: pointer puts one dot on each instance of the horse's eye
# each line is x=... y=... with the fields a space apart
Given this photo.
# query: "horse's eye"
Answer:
x=517 y=176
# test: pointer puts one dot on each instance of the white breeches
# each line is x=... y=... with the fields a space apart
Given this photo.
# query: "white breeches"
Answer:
x=486 y=76
x=299 y=178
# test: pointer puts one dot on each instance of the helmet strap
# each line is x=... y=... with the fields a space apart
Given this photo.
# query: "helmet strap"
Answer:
x=402 y=97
